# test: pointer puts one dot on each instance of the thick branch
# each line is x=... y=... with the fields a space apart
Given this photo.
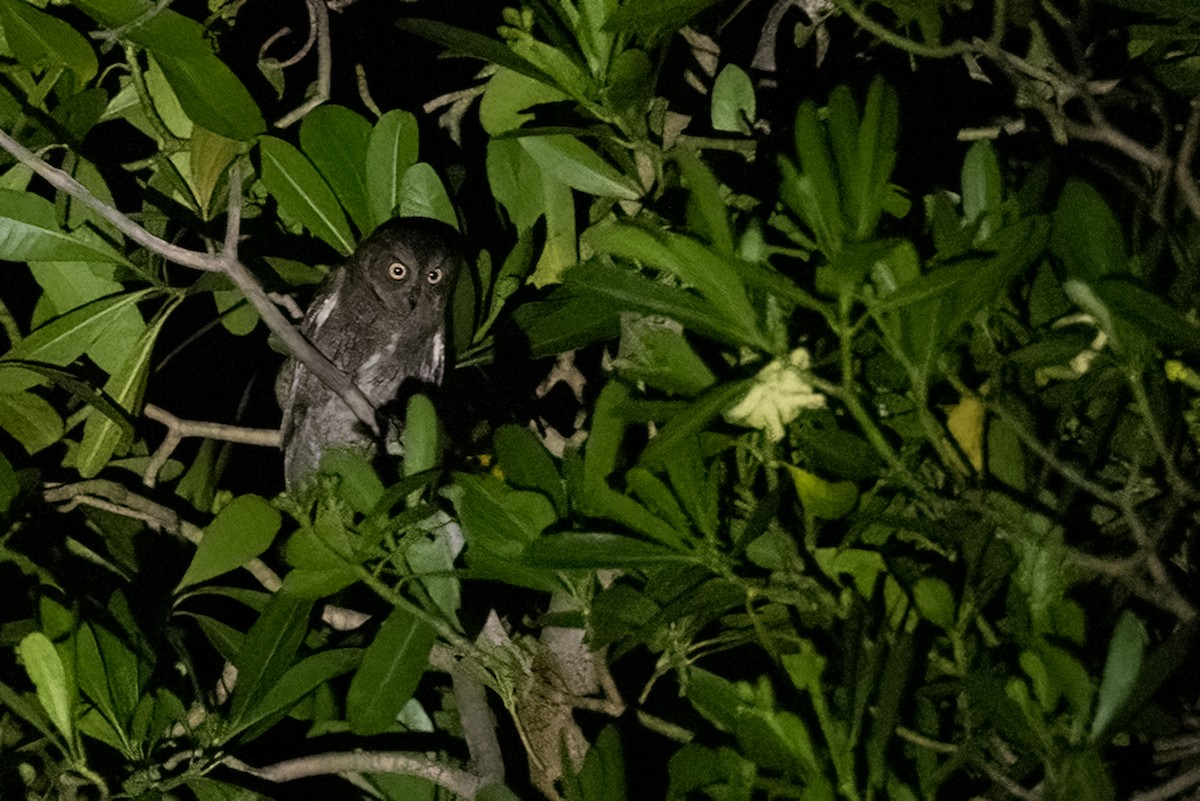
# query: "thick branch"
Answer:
x=456 y=780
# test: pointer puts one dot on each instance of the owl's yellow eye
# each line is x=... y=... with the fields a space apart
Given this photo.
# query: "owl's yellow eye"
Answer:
x=435 y=275
x=397 y=271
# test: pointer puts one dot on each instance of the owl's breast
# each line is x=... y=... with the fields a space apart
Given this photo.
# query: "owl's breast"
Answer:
x=382 y=372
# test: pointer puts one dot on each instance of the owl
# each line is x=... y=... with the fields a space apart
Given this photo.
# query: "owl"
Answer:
x=381 y=319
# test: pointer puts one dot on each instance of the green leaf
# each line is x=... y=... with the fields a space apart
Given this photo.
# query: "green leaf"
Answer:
x=422 y=194
x=1086 y=235
x=571 y=162
x=812 y=191
x=387 y=677
x=593 y=551
x=935 y=602
x=875 y=158
x=708 y=212
x=166 y=105
x=602 y=775
x=66 y=338
x=507 y=98
x=1126 y=651
x=104 y=434
x=40 y=40
x=267 y=652
x=682 y=427
x=303 y=194
x=422 y=436
x=649 y=17
x=821 y=498
x=654 y=350
x=337 y=140
x=30 y=420
x=359 y=486
x=210 y=155
x=46 y=670
x=1150 y=314
x=29 y=231
x=245 y=528
x=714 y=277
x=475 y=45
x=291 y=688
x=499 y=523
x=526 y=464
x=391 y=149
x=516 y=181
x=733 y=102
x=208 y=91
x=982 y=187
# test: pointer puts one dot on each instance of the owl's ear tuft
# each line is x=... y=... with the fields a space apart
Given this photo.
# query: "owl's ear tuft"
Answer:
x=397 y=271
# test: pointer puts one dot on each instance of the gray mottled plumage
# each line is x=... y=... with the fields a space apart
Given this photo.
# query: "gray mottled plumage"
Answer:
x=381 y=319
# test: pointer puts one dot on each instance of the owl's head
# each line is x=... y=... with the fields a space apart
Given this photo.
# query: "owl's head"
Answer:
x=410 y=264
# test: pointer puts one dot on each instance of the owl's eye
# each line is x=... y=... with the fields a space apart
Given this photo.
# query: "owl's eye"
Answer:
x=435 y=275
x=397 y=271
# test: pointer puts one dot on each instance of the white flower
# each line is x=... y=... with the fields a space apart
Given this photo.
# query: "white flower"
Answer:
x=778 y=396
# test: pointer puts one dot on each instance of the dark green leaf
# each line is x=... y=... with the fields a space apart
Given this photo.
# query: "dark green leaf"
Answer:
x=40 y=40
x=268 y=651
x=337 y=140
x=30 y=232
x=245 y=528
x=1087 y=237
x=387 y=677
x=285 y=693
x=303 y=194
x=469 y=43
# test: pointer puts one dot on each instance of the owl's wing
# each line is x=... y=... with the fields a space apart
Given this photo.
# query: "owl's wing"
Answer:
x=293 y=371
x=322 y=306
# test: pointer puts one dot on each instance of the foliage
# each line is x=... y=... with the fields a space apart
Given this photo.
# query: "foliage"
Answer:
x=883 y=489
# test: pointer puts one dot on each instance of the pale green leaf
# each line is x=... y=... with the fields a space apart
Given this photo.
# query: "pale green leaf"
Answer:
x=49 y=676
x=391 y=150
x=573 y=163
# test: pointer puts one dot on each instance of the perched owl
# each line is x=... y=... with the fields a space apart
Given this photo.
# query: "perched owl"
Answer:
x=381 y=319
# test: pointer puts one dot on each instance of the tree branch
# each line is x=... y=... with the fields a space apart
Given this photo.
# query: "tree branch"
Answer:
x=457 y=780
x=225 y=262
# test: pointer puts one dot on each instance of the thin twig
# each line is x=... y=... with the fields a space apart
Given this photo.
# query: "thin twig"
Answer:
x=1183 y=163
x=178 y=428
x=318 y=17
x=1171 y=789
x=117 y=499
